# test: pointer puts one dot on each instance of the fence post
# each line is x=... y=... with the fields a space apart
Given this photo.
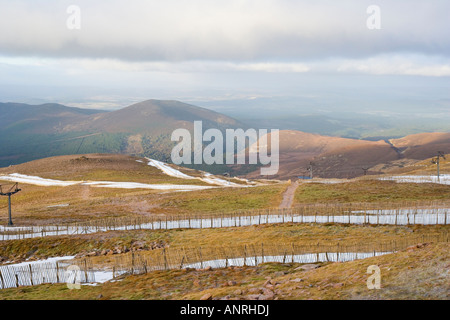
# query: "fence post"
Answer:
x=182 y=261
x=292 y=245
x=17 y=280
x=337 y=252
x=31 y=274
x=57 y=272
x=165 y=259
x=1 y=279
x=317 y=251
x=85 y=270
x=262 y=252
x=144 y=264
x=245 y=255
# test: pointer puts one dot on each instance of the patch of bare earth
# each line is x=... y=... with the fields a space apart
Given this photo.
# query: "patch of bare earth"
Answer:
x=288 y=196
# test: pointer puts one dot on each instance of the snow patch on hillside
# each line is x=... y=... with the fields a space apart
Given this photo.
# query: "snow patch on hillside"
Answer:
x=167 y=169
x=136 y=185
x=38 y=181
x=207 y=177
x=444 y=179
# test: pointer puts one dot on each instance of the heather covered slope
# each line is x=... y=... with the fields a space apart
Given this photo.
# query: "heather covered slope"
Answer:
x=20 y=118
x=420 y=272
x=425 y=264
x=334 y=157
x=143 y=129
x=114 y=167
x=423 y=145
x=105 y=185
x=155 y=116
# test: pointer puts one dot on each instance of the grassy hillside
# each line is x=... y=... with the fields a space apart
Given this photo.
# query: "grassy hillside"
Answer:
x=416 y=273
x=38 y=204
x=370 y=190
x=144 y=129
x=335 y=157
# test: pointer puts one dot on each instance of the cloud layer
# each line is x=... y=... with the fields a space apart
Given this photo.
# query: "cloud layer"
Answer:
x=237 y=30
x=172 y=47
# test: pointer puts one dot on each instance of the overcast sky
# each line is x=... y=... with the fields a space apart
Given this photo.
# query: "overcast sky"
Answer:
x=209 y=49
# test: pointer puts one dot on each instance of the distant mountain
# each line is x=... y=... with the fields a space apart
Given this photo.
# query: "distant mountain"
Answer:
x=334 y=157
x=143 y=129
x=154 y=116
x=44 y=118
x=423 y=145
x=32 y=132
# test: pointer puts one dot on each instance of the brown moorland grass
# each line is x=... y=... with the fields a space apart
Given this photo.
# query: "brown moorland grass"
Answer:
x=36 y=204
x=100 y=167
x=426 y=167
x=427 y=265
x=370 y=191
x=39 y=205
x=225 y=199
x=105 y=167
x=300 y=234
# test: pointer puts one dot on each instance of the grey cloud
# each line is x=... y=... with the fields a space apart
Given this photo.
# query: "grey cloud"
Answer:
x=171 y=30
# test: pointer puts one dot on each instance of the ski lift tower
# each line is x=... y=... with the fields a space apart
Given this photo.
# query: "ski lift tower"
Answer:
x=9 y=192
x=437 y=162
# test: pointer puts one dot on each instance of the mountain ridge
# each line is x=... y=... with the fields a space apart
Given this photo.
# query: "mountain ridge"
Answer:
x=144 y=129
x=335 y=157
